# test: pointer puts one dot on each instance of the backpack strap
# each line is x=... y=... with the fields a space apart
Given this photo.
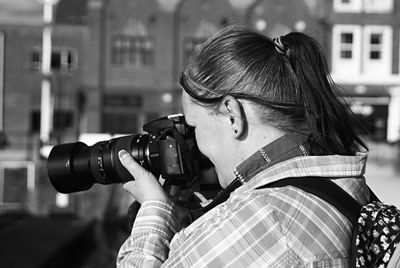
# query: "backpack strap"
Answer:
x=327 y=190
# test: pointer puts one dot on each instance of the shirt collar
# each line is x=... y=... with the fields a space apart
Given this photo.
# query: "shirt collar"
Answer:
x=283 y=148
x=329 y=166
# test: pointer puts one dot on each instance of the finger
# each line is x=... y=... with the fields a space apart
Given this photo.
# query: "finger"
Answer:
x=132 y=166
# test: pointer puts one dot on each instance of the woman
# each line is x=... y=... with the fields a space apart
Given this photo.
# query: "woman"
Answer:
x=263 y=110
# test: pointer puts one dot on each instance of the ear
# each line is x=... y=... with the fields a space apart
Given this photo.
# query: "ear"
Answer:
x=236 y=116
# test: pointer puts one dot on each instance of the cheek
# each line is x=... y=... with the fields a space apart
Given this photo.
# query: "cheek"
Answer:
x=201 y=141
x=207 y=141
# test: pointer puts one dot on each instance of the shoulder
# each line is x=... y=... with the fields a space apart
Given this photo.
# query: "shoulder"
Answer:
x=270 y=220
x=264 y=208
x=243 y=222
x=236 y=211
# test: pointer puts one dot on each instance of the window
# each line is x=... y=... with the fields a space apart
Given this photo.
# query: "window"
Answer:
x=124 y=121
x=119 y=114
x=62 y=120
x=65 y=60
x=378 y=6
x=120 y=122
x=346 y=55
x=36 y=59
x=123 y=100
x=375 y=43
x=346 y=45
x=190 y=45
x=377 y=50
x=132 y=50
x=203 y=31
x=362 y=51
x=15 y=182
x=17 y=179
x=368 y=6
x=347 y=5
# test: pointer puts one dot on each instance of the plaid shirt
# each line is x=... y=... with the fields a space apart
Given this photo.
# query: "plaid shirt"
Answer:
x=270 y=227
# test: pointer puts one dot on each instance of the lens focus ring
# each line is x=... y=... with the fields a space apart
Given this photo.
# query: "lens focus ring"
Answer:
x=133 y=144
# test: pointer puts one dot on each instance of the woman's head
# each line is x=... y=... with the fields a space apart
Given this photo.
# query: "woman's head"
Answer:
x=286 y=80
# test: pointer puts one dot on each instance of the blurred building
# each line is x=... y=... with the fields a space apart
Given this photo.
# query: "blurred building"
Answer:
x=364 y=55
x=137 y=49
x=23 y=182
x=116 y=65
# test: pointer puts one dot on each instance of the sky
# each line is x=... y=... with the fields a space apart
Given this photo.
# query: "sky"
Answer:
x=20 y=11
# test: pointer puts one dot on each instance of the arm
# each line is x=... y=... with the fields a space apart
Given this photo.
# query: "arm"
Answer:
x=156 y=222
x=242 y=232
x=148 y=244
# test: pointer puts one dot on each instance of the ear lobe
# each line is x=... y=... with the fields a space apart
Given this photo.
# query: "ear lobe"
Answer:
x=236 y=115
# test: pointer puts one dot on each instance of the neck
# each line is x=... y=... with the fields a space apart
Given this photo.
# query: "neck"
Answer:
x=256 y=137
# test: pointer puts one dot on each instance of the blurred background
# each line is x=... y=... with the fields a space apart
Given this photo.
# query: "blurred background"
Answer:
x=91 y=69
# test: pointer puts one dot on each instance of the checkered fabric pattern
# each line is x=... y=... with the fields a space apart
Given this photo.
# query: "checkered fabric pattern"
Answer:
x=271 y=227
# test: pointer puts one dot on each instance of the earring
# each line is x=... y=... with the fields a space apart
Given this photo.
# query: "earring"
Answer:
x=236 y=131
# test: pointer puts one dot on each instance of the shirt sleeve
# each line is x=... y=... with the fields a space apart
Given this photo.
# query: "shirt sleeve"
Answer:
x=148 y=244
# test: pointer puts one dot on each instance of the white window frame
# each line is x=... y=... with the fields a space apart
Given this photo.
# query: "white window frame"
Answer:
x=354 y=6
x=378 y=6
x=346 y=67
x=382 y=66
x=30 y=166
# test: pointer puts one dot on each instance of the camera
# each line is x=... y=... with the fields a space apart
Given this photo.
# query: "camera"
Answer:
x=168 y=149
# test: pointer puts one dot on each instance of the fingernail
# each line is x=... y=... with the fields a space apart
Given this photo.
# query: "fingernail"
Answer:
x=122 y=154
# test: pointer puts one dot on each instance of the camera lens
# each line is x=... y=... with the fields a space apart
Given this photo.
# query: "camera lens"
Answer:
x=68 y=168
x=169 y=149
x=76 y=167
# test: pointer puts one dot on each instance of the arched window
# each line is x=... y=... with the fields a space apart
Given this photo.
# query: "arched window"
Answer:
x=133 y=45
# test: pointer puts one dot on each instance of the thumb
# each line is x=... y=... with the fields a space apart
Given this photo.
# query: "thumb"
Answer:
x=136 y=170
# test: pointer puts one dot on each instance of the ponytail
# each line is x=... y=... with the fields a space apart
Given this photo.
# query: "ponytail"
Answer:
x=286 y=78
x=332 y=123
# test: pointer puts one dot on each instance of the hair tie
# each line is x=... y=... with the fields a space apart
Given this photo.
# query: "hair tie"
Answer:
x=279 y=46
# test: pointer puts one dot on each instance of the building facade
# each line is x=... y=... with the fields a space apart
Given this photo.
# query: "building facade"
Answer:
x=364 y=55
x=140 y=47
x=23 y=179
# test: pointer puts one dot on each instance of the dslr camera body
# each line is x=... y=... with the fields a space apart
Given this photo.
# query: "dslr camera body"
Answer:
x=168 y=149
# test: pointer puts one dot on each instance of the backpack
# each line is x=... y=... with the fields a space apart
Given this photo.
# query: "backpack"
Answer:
x=376 y=233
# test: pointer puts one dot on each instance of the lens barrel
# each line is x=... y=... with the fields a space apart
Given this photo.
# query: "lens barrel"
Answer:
x=74 y=167
x=169 y=149
x=68 y=167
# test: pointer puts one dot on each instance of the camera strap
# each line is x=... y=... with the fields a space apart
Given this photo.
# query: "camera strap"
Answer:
x=286 y=147
x=219 y=199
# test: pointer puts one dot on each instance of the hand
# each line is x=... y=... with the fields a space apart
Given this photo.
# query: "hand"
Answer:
x=145 y=187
